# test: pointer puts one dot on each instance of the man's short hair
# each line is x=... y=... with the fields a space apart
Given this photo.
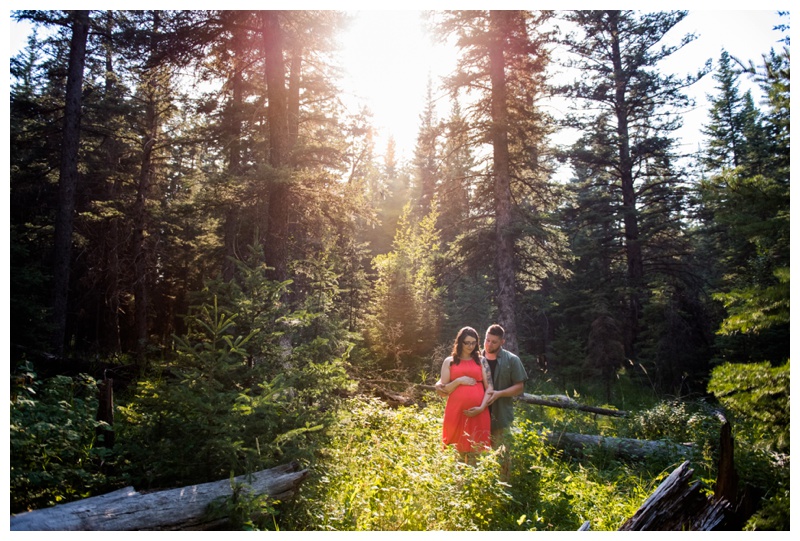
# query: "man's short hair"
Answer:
x=496 y=330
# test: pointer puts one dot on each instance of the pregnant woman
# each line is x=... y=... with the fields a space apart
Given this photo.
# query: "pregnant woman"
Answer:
x=467 y=423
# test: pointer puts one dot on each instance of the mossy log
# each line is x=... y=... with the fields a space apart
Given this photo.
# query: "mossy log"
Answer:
x=172 y=509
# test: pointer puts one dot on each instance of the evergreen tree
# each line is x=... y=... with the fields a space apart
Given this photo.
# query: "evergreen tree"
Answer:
x=733 y=123
x=502 y=61
x=747 y=218
x=628 y=112
x=426 y=156
x=406 y=313
x=457 y=173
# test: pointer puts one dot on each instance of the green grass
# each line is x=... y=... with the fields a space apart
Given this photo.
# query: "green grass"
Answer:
x=385 y=469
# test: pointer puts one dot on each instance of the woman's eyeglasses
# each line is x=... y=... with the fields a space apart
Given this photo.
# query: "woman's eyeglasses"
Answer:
x=469 y=342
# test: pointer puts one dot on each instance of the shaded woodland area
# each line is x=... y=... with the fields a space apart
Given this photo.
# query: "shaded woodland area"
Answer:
x=210 y=259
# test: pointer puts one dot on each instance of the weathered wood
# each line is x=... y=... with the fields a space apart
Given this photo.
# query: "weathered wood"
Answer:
x=677 y=505
x=105 y=413
x=577 y=444
x=727 y=477
x=172 y=509
x=568 y=403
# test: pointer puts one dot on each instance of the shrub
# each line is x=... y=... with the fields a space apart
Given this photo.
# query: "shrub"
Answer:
x=53 y=458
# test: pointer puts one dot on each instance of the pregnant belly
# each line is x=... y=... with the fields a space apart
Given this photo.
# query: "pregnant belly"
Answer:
x=468 y=396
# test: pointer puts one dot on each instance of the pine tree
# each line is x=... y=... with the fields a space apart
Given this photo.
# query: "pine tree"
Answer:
x=630 y=110
x=747 y=213
x=503 y=53
x=68 y=175
x=426 y=156
x=733 y=125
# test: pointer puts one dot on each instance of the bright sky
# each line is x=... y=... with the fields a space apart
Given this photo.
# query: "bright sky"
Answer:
x=389 y=60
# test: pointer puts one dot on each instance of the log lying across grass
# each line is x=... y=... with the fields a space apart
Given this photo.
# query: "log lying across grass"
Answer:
x=172 y=509
x=577 y=444
x=565 y=402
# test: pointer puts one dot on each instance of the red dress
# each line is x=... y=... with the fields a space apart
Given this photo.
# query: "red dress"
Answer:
x=467 y=433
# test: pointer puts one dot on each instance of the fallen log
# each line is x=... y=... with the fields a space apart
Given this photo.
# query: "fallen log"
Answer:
x=577 y=444
x=677 y=505
x=553 y=401
x=567 y=403
x=172 y=509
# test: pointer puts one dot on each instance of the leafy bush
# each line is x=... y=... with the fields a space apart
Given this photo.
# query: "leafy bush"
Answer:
x=53 y=458
x=758 y=394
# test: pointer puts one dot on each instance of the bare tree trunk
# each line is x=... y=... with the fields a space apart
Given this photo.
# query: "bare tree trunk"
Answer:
x=111 y=329
x=275 y=248
x=68 y=177
x=633 y=248
x=140 y=265
x=152 y=128
x=231 y=226
x=627 y=448
x=504 y=242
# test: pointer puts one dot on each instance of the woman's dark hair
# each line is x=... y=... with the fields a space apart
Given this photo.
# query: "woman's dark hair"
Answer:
x=459 y=344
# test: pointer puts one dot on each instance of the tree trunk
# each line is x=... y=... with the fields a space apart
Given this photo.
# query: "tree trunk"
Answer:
x=150 y=93
x=275 y=247
x=68 y=177
x=504 y=242
x=567 y=403
x=234 y=121
x=633 y=249
x=727 y=477
x=173 y=509
x=111 y=337
x=105 y=413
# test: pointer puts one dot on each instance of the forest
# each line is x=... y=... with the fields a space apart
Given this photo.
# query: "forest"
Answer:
x=215 y=271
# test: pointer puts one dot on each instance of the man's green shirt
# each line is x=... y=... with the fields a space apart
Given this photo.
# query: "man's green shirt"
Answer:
x=509 y=370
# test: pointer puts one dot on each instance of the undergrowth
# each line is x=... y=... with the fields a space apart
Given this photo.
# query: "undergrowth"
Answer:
x=385 y=469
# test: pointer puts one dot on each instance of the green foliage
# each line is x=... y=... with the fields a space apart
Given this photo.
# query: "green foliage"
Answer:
x=52 y=454
x=774 y=513
x=406 y=312
x=758 y=394
x=213 y=411
x=385 y=469
x=755 y=309
x=243 y=510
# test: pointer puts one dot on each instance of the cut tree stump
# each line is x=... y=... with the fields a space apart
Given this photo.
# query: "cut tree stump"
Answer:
x=172 y=509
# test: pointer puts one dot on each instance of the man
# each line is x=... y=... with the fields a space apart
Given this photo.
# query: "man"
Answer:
x=508 y=378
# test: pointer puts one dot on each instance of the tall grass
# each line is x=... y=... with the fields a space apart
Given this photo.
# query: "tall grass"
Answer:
x=385 y=469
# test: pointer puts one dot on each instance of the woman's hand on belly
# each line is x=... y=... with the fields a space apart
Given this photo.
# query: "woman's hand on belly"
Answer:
x=473 y=412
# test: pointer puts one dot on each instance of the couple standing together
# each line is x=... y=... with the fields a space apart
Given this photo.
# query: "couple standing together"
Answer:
x=480 y=391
